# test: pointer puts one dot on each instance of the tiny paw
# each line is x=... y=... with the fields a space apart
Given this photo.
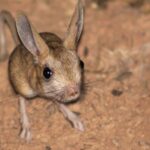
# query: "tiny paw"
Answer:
x=78 y=124
x=75 y=120
x=26 y=134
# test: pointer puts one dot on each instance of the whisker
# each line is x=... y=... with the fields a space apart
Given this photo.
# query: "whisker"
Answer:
x=55 y=94
x=54 y=90
x=92 y=82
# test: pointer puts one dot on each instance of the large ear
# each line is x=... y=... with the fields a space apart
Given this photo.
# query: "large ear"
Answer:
x=30 y=38
x=75 y=28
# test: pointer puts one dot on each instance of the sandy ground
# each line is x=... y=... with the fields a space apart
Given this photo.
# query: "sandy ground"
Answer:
x=115 y=108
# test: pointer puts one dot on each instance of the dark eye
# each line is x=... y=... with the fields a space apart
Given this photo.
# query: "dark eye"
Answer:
x=81 y=64
x=47 y=73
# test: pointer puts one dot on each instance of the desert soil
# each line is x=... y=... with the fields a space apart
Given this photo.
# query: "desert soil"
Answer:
x=115 y=106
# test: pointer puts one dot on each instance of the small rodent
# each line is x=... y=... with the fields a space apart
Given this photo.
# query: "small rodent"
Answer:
x=42 y=64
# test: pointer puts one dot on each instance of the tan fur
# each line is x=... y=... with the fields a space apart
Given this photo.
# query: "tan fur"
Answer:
x=27 y=77
x=38 y=51
x=35 y=53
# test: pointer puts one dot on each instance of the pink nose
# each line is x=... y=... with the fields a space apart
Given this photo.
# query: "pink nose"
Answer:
x=73 y=90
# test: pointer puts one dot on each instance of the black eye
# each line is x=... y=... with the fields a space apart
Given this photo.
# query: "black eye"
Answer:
x=47 y=73
x=81 y=64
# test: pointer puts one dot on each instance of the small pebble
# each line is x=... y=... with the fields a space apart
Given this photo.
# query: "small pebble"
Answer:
x=48 y=148
x=117 y=92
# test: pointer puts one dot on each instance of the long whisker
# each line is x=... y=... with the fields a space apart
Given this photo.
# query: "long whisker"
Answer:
x=85 y=88
x=91 y=84
x=56 y=94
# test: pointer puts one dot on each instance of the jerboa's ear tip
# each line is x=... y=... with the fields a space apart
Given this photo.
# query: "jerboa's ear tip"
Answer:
x=20 y=15
x=21 y=18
